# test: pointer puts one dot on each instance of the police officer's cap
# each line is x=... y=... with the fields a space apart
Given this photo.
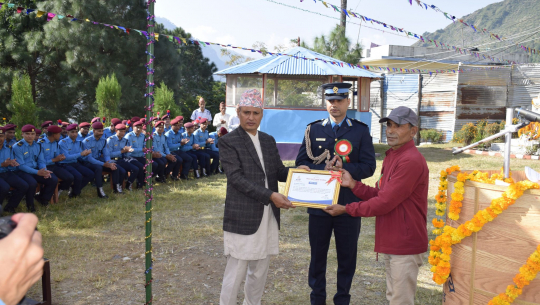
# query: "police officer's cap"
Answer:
x=336 y=91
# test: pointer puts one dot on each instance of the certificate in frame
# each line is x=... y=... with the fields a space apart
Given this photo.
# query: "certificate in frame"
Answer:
x=314 y=189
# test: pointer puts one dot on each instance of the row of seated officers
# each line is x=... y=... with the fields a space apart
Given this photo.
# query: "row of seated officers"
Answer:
x=82 y=156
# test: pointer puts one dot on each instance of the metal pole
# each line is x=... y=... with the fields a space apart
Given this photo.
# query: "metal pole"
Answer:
x=508 y=142
x=420 y=80
x=148 y=151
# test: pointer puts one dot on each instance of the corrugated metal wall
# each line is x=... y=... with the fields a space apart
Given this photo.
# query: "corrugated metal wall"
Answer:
x=399 y=90
x=375 y=109
x=525 y=85
x=437 y=108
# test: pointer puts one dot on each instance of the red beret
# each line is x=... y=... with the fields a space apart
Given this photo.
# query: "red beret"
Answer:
x=181 y=118
x=115 y=121
x=97 y=125
x=73 y=126
x=189 y=125
x=165 y=116
x=84 y=124
x=38 y=131
x=143 y=120
x=65 y=124
x=203 y=120
x=10 y=127
x=159 y=123
x=46 y=124
x=154 y=119
x=96 y=119
x=124 y=121
x=175 y=121
x=120 y=127
x=54 y=129
x=138 y=123
x=223 y=131
x=135 y=119
x=28 y=128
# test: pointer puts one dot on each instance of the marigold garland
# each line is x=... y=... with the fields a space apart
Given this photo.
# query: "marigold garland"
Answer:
x=441 y=199
x=526 y=274
x=441 y=246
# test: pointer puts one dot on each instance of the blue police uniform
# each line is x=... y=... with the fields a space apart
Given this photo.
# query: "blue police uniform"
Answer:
x=10 y=144
x=82 y=175
x=8 y=179
x=166 y=166
x=213 y=151
x=100 y=154
x=199 y=138
x=174 y=142
x=31 y=159
x=203 y=158
x=122 y=159
x=323 y=136
x=107 y=133
x=137 y=143
x=50 y=151
x=81 y=137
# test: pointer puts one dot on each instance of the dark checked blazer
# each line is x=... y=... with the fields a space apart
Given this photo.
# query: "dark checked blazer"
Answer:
x=246 y=191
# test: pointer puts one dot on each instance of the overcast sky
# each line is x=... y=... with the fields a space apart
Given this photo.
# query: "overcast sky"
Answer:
x=244 y=22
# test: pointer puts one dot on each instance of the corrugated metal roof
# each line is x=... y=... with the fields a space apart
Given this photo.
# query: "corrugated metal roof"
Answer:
x=303 y=63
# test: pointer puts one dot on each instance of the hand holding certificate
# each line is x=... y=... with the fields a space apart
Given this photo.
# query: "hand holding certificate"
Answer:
x=314 y=189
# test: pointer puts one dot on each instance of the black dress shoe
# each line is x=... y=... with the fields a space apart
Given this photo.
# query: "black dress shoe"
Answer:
x=183 y=177
x=175 y=179
x=101 y=193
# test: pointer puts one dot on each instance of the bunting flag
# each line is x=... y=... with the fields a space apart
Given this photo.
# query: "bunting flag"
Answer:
x=453 y=18
x=190 y=41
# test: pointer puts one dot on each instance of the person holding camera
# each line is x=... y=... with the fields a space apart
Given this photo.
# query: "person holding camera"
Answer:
x=21 y=259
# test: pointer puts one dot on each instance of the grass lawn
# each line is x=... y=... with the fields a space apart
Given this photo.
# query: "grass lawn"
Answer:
x=96 y=247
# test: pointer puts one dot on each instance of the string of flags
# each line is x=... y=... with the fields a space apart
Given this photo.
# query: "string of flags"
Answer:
x=188 y=41
x=476 y=29
x=438 y=44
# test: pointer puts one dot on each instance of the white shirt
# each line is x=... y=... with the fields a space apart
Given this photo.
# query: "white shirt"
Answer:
x=266 y=240
x=217 y=120
x=202 y=114
x=234 y=123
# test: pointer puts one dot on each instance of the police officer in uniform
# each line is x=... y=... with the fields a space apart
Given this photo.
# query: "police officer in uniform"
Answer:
x=9 y=178
x=202 y=138
x=175 y=142
x=318 y=152
x=53 y=156
x=119 y=147
x=9 y=130
x=44 y=127
x=32 y=168
x=84 y=129
x=73 y=149
x=162 y=155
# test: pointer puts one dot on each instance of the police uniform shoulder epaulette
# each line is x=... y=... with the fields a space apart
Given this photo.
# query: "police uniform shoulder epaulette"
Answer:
x=87 y=140
x=111 y=136
x=358 y=121
x=20 y=143
x=41 y=141
x=8 y=146
x=316 y=121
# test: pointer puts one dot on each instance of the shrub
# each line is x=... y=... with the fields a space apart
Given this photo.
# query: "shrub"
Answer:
x=22 y=104
x=466 y=134
x=108 y=94
x=431 y=135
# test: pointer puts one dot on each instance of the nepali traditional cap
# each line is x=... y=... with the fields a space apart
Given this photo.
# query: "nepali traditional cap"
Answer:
x=38 y=131
x=336 y=91
x=138 y=123
x=115 y=121
x=223 y=131
x=10 y=127
x=135 y=119
x=402 y=115
x=175 y=121
x=251 y=98
x=120 y=127
x=181 y=118
x=96 y=119
x=72 y=127
x=203 y=120
x=28 y=128
x=46 y=124
x=65 y=124
x=159 y=123
x=54 y=129
x=189 y=125
x=84 y=124
x=97 y=125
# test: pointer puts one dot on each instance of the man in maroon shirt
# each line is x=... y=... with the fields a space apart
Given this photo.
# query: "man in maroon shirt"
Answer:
x=399 y=203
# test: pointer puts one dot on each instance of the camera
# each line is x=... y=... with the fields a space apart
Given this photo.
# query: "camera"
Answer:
x=6 y=226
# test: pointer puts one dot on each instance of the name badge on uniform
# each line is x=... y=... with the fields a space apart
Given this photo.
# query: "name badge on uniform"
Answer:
x=320 y=139
x=25 y=153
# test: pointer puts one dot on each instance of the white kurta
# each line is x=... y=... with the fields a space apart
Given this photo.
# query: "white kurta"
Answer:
x=266 y=240
x=217 y=120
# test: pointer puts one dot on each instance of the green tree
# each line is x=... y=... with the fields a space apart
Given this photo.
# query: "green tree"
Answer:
x=22 y=105
x=164 y=100
x=337 y=45
x=108 y=94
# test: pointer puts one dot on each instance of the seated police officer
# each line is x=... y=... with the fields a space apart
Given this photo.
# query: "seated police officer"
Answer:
x=190 y=148
x=100 y=160
x=84 y=129
x=119 y=147
x=33 y=169
x=204 y=141
x=44 y=128
x=213 y=147
x=136 y=141
x=9 y=130
x=9 y=178
x=73 y=149
x=175 y=141
x=162 y=155
x=53 y=156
